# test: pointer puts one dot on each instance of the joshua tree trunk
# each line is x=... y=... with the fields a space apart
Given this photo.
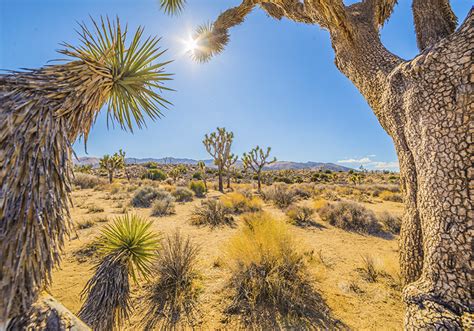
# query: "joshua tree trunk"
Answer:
x=228 y=181
x=111 y=176
x=426 y=106
x=221 y=184
x=259 y=182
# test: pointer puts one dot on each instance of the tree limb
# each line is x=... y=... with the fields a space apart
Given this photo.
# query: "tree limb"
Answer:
x=434 y=20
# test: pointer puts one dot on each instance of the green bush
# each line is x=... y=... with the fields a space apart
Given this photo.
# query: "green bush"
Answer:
x=197 y=175
x=183 y=194
x=198 y=188
x=154 y=174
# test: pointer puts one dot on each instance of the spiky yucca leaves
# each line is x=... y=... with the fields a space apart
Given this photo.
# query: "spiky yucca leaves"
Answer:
x=172 y=296
x=129 y=246
x=42 y=112
x=172 y=6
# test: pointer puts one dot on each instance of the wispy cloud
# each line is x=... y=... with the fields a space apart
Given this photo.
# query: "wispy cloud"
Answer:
x=363 y=160
x=369 y=163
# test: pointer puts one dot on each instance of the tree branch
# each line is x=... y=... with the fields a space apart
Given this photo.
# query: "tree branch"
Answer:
x=434 y=20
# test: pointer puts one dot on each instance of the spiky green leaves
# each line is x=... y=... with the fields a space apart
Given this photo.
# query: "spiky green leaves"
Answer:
x=130 y=239
x=209 y=42
x=172 y=7
x=126 y=72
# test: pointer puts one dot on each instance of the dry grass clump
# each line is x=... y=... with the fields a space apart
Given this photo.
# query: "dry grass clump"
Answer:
x=391 y=196
x=92 y=209
x=239 y=203
x=86 y=224
x=146 y=195
x=300 y=215
x=83 y=180
x=368 y=271
x=212 y=213
x=128 y=246
x=163 y=207
x=391 y=223
x=183 y=194
x=350 y=216
x=171 y=298
x=280 y=194
x=88 y=252
x=303 y=191
x=269 y=278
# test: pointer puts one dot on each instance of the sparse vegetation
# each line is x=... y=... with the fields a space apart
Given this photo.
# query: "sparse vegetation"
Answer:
x=171 y=299
x=300 y=215
x=390 y=196
x=85 y=180
x=280 y=194
x=212 y=213
x=269 y=279
x=218 y=145
x=183 y=194
x=198 y=188
x=368 y=270
x=391 y=223
x=163 y=206
x=144 y=197
x=238 y=203
x=350 y=216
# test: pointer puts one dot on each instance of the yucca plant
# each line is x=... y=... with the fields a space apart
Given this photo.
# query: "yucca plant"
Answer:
x=128 y=246
x=42 y=112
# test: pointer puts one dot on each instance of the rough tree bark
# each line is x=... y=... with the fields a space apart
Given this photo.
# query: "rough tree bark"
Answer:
x=426 y=105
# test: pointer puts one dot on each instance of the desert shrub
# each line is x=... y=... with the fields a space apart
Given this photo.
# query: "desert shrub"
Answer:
x=269 y=278
x=300 y=215
x=238 y=203
x=164 y=206
x=183 y=194
x=154 y=174
x=198 y=188
x=319 y=203
x=85 y=224
x=391 y=196
x=146 y=195
x=350 y=216
x=150 y=165
x=127 y=245
x=172 y=296
x=391 y=223
x=304 y=191
x=212 y=213
x=83 y=180
x=197 y=175
x=280 y=195
x=368 y=271
x=94 y=209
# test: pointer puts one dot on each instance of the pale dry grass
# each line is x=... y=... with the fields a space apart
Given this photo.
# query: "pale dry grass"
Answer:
x=333 y=263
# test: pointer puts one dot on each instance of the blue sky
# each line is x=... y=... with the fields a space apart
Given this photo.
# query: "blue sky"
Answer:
x=274 y=85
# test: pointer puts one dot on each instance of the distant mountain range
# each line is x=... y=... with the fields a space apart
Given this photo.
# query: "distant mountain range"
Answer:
x=279 y=165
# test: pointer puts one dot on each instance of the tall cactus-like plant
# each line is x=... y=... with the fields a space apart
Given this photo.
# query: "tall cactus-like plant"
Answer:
x=255 y=160
x=202 y=168
x=229 y=165
x=111 y=164
x=42 y=112
x=218 y=145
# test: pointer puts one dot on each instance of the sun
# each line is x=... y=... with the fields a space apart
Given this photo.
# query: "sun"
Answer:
x=190 y=45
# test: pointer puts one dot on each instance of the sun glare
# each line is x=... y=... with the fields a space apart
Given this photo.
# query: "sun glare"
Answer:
x=190 y=45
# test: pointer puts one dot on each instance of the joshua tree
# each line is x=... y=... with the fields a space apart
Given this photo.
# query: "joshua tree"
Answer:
x=356 y=178
x=42 y=112
x=122 y=154
x=112 y=164
x=202 y=168
x=128 y=246
x=177 y=171
x=256 y=159
x=229 y=165
x=218 y=145
x=425 y=104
